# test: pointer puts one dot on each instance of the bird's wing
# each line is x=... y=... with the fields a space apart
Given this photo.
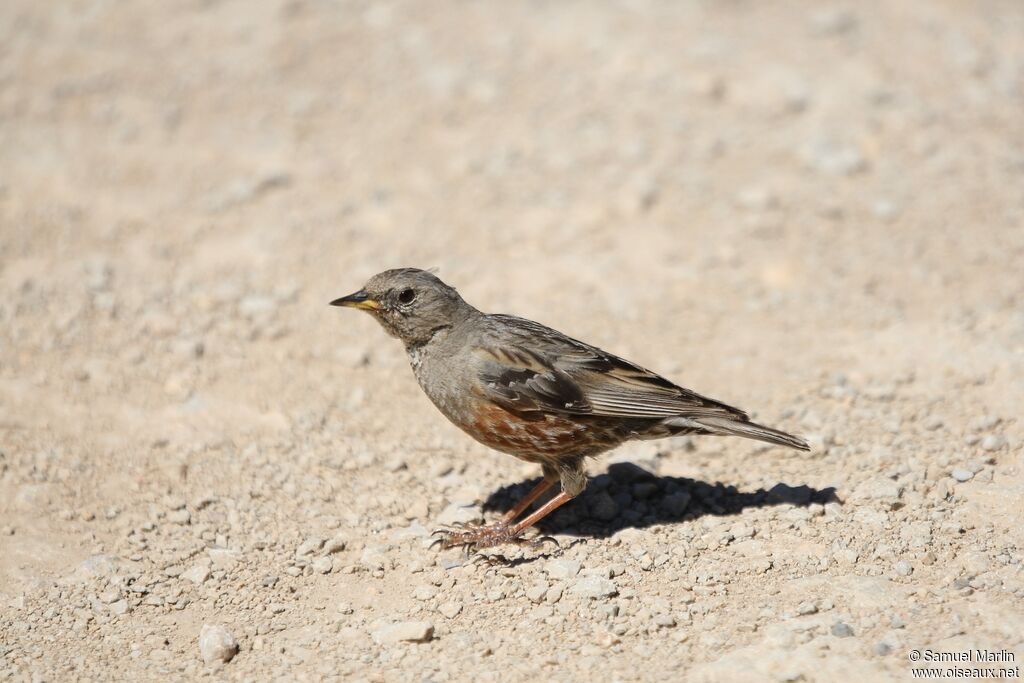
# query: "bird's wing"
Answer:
x=523 y=381
x=530 y=368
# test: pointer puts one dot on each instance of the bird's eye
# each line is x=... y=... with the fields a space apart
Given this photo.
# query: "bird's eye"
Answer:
x=406 y=296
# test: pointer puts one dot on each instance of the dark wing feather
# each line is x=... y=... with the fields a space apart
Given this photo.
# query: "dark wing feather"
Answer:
x=531 y=368
x=524 y=381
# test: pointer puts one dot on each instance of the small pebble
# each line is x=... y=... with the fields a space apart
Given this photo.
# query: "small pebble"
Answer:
x=216 y=644
x=405 y=631
x=309 y=546
x=222 y=558
x=805 y=608
x=985 y=422
x=537 y=591
x=842 y=630
x=756 y=199
x=119 y=607
x=424 y=593
x=834 y=158
x=563 y=569
x=197 y=574
x=962 y=475
x=335 y=545
x=593 y=587
x=450 y=610
x=181 y=516
x=993 y=442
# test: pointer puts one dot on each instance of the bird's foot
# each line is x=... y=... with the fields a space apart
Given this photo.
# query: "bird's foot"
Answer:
x=478 y=537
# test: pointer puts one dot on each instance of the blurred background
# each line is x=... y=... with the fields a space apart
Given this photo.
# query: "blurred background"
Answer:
x=812 y=210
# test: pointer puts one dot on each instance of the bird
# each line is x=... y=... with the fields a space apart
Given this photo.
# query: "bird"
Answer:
x=525 y=389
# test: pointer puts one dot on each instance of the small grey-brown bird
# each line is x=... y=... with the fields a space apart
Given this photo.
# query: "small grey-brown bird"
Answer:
x=528 y=390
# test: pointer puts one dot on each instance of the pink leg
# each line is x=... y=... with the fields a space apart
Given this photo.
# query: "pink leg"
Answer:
x=535 y=493
x=546 y=509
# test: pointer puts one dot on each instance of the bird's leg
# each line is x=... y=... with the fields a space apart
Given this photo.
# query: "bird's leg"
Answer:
x=535 y=493
x=475 y=535
x=540 y=513
x=573 y=478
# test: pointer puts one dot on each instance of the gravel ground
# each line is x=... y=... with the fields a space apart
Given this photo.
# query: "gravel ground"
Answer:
x=812 y=211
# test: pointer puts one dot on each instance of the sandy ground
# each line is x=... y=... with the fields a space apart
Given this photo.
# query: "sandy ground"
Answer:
x=815 y=212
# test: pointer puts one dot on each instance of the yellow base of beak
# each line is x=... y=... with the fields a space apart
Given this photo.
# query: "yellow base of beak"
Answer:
x=359 y=299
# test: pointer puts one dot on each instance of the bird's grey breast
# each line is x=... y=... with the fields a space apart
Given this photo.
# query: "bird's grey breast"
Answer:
x=443 y=375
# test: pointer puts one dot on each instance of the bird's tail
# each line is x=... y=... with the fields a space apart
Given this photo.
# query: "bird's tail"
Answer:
x=725 y=426
x=752 y=430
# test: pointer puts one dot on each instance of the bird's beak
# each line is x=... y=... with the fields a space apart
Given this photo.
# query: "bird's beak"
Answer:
x=359 y=299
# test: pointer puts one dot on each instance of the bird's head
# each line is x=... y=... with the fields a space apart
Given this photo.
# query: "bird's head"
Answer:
x=409 y=303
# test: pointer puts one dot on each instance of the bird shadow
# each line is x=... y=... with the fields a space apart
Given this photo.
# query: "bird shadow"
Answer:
x=629 y=496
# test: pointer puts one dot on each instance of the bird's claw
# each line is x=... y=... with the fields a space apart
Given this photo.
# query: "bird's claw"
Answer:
x=541 y=540
x=475 y=537
x=459 y=527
